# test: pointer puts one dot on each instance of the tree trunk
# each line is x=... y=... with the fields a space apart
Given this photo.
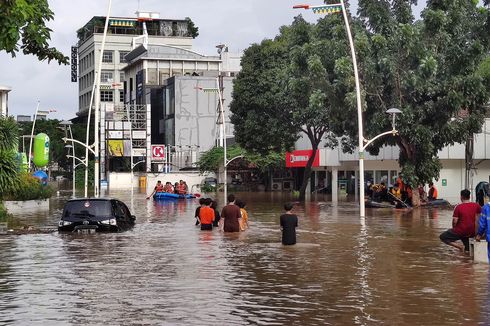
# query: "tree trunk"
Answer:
x=307 y=174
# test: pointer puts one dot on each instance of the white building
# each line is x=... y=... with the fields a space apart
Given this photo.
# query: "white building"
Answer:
x=340 y=170
x=119 y=40
x=4 y=108
x=147 y=81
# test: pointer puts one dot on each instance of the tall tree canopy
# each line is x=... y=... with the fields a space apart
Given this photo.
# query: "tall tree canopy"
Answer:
x=299 y=84
x=23 y=24
x=430 y=70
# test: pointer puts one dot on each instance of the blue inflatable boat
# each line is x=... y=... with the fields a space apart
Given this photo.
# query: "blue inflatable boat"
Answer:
x=167 y=195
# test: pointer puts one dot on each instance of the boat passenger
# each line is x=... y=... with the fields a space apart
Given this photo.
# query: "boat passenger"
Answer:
x=158 y=188
x=396 y=192
x=432 y=192
x=168 y=188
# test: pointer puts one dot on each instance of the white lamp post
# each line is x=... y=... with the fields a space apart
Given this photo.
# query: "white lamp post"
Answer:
x=67 y=125
x=337 y=8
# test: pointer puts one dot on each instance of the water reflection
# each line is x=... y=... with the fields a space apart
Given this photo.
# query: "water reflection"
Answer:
x=389 y=268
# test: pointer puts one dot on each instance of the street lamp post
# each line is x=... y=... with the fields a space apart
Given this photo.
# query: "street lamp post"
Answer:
x=222 y=136
x=333 y=9
x=67 y=125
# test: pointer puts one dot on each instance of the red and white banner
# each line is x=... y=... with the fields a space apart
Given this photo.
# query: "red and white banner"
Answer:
x=299 y=159
x=158 y=152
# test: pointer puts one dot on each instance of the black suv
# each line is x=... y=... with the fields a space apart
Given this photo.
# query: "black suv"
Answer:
x=95 y=214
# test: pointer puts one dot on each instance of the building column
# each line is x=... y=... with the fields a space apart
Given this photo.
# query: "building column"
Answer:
x=102 y=144
x=335 y=185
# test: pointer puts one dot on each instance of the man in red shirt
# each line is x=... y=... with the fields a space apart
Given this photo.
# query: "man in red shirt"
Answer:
x=464 y=217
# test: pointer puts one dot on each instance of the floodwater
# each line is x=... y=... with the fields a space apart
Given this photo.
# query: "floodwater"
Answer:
x=390 y=270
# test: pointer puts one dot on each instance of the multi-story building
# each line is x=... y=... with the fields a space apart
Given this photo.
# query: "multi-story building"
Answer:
x=119 y=42
x=4 y=108
x=149 y=91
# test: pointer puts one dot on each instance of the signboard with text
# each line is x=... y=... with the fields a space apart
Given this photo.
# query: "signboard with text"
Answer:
x=299 y=158
x=158 y=152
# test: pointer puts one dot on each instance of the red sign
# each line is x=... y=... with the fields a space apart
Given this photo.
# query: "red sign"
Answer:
x=157 y=152
x=299 y=159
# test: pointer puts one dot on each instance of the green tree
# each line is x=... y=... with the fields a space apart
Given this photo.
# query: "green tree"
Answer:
x=299 y=84
x=212 y=160
x=428 y=69
x=23 y=27
x=8 y=162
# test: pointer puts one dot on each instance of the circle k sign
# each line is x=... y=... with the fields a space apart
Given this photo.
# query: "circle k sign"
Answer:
x=158 y=152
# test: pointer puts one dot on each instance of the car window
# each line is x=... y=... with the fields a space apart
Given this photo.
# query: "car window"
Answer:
x=119 y=209
x=125 y=209
x=87 y=208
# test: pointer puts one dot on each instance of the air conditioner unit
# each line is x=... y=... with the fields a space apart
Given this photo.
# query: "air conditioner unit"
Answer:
x=276 y=186
x=287 y=185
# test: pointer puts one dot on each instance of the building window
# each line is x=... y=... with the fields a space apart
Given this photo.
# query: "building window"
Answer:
x=121 y=96
x=121 y=76
x=122 y=54
x=106 y=96
x=106 y=76
x=107 y=57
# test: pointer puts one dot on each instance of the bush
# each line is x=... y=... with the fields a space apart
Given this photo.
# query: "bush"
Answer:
x=29 y=188
x=3 y=213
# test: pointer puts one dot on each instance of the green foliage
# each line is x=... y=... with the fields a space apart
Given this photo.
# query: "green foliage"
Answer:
x=211 y=160
x=8 y=144
x=193 y=29
x=299 y=84
x=4 y=215
x=430 y=69
x=23 y=23
x=29 y=188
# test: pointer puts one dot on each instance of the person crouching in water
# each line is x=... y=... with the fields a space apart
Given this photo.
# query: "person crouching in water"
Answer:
x=289 y=223
x=244 y=214
x=463 y=223
x=484 y=227
x=206 y=215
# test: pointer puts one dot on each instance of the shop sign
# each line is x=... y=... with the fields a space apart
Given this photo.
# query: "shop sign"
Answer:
x=299 y=158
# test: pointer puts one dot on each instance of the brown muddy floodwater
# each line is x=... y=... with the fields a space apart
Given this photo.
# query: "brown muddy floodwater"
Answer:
x=391 y=270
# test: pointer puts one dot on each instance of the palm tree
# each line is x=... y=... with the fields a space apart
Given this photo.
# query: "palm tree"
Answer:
x=8 y=148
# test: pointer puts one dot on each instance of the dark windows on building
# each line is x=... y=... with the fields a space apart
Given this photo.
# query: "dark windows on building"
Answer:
x=122 y=54
x=106 y=76
x=107 y=96
x=107 y=57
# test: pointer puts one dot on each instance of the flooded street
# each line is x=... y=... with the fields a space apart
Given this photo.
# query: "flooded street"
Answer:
x=391 y=270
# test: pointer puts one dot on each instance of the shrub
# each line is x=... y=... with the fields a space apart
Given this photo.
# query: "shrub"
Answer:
x=29 y=188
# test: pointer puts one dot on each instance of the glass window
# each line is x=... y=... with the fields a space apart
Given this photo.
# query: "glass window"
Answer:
x=106 y=96
x=107 y=56
x=121 y=76
x=122 y=54
x=106 y=76
x=121 y=96
x=87 y=208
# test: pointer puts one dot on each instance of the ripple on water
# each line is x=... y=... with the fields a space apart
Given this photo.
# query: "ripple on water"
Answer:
x=392 y=270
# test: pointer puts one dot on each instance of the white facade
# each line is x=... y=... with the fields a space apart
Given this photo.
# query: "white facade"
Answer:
x=385 y=165
x=112 y=74
x=4 y=90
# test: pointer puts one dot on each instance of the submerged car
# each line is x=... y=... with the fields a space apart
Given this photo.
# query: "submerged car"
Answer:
x=95 y=215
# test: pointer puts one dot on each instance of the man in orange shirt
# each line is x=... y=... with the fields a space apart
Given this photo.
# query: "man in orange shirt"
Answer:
x=206 y=215
x=432 y=192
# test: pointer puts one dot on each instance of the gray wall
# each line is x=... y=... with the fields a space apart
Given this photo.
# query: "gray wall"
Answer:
x=196 y=111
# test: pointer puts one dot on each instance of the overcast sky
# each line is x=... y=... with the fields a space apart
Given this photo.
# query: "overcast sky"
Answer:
x=235 y=23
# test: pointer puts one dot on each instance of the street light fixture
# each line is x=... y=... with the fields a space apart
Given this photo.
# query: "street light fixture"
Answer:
x=67 y=125
x=333 y=9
